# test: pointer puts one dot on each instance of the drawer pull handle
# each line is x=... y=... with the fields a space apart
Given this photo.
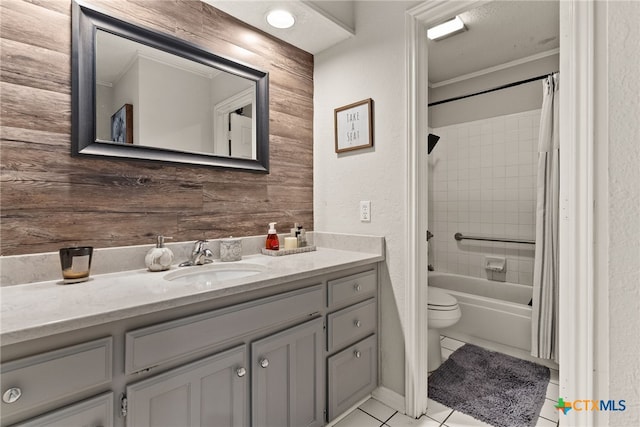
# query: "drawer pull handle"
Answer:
x=357 y=323
x=356 y=287
x=12 y=395
x=357 y=354
x=264 y=362
x=241 y=372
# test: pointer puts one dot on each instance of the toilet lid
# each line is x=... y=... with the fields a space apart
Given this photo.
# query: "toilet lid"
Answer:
x=438 y=299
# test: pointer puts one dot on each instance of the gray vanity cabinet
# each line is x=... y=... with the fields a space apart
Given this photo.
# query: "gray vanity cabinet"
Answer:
x=287 y=384
x=209 y=392
x=295 y=357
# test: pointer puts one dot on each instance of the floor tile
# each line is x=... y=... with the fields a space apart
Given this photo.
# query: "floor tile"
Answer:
x=437 y=410
x=554 y=376
x=543 y=422
x=553 y=391
x=549 y=411
x=458 y=419
x=357 y=418
x=377 y=409
x=400 y=420
x=445 y=353
x=451 y=344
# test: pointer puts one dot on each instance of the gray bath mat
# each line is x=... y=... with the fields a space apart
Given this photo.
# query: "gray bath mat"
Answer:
x=492 y=387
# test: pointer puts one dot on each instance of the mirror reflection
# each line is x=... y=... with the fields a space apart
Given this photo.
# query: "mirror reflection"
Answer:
x=148 y=97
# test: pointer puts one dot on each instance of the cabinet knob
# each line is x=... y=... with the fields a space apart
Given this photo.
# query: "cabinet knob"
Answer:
x=241 y=372
x=357 y=354
x=12 y=395
x=357 y=323
x=356 y=287
x=264 y=362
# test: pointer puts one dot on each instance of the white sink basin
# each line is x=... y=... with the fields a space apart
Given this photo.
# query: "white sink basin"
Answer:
x=212 y=274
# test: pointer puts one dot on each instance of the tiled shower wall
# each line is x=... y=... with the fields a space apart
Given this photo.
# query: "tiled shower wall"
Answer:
x=482 y=181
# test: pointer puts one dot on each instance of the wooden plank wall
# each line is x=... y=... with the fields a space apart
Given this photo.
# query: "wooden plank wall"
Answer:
x=50 y=200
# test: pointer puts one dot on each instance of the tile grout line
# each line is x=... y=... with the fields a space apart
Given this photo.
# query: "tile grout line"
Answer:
x=376 y=418
x=447 y=417
x=392 y=415
x=540 y=416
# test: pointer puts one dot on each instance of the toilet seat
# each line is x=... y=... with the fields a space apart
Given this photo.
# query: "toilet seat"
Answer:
x=439 y=300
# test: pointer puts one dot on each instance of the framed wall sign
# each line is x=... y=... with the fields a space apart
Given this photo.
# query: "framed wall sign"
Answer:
x=353 y=125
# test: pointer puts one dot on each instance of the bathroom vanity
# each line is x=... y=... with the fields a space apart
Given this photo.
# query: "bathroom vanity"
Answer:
x=292 y=345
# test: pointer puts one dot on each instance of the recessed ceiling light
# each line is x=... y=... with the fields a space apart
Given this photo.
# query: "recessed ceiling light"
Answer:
x=449 y=28
x=280 y=19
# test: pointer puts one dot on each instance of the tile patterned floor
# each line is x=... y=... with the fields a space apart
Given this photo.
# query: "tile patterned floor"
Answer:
x=373 y=413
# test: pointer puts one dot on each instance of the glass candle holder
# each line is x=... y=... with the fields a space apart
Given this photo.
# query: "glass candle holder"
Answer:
x=76 y=263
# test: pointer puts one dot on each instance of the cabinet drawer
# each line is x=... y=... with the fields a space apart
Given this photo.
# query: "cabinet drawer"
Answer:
x=351 y=289
x=54 y=375
x=351 y=324
x=352 y=374
x=96 y=412
x=157 y=344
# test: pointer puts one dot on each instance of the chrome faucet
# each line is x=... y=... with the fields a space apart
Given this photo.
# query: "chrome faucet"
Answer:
x=199 y=255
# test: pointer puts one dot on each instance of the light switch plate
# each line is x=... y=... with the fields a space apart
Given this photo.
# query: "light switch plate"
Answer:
x=365 y=211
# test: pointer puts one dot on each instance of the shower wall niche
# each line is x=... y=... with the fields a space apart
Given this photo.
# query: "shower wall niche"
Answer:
x=482 y=181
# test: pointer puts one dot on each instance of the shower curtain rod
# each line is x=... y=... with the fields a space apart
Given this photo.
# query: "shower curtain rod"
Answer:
x=505 y=86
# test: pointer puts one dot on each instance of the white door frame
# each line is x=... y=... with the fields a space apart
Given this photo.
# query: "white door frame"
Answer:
x=576 y=193
x=220 y=120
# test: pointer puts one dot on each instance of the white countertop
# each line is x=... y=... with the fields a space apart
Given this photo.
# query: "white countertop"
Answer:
x=41 y=309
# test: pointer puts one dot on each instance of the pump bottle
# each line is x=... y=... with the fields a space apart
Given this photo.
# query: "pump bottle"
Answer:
x=160 y=257
x=272 y=238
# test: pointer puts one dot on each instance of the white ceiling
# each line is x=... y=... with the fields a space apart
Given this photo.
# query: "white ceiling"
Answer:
x=316 y=27
x=499 y=32
x=116 y=54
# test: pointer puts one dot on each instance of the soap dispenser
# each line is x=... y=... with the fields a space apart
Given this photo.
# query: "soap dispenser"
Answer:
x=272 y=238
x=160 y=257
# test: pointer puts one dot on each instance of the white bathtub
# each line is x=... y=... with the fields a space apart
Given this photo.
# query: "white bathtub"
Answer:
x=495 y=312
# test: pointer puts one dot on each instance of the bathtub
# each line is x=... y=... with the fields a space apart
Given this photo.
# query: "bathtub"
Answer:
x=492 y=312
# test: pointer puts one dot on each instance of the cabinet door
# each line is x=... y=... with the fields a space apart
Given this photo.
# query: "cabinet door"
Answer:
x=95 y=412
x=288 y=381
x=352 y=374
x=210 y=392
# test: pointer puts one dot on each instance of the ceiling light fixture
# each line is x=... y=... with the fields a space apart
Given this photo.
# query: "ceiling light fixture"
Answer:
x=449 y=28
x=280 y=19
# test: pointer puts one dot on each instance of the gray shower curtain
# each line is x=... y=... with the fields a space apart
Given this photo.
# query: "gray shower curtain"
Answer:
x=544 y=324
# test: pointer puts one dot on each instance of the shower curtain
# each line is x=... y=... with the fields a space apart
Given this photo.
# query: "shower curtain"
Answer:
x=545 y=272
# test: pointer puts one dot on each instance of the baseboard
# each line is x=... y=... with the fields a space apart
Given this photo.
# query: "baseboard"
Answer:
x=390 y=398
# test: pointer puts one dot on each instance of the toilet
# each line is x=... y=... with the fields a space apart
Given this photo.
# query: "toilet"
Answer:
x=443 y=312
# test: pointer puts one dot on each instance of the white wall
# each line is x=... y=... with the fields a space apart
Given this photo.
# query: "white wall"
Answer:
x=127 y=91
x=623 y=87
x=104 y=107
x=175 y=105
x=369 y=65
x=482 y=181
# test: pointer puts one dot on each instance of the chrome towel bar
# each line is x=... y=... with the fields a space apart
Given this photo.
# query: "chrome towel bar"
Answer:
x=459 y=236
